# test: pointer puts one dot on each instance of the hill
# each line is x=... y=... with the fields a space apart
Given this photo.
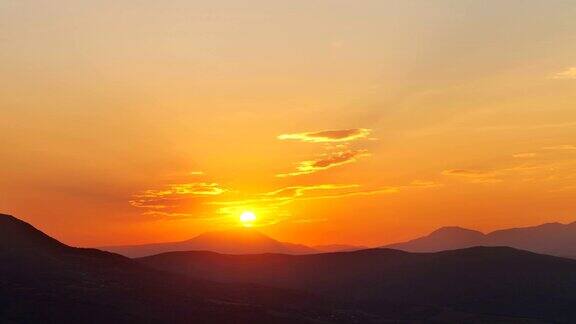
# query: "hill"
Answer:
x=338 y=248
x=45 y=281
x=495 y=281
x=237 y=241
x=552 y=238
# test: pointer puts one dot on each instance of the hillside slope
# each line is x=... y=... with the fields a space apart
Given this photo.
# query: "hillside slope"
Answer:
x=482 y=280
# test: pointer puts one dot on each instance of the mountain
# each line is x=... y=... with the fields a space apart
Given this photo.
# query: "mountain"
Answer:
x=553 y=238
x=513 y=285
x=237 y=241
x=45 y=281
x=445 y=238
x=338 y=248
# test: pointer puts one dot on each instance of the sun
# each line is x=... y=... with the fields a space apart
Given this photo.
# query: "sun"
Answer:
x=247 y=218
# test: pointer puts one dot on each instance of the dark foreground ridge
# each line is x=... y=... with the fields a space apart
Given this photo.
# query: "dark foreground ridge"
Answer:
x=497 y=281
x=45 y=281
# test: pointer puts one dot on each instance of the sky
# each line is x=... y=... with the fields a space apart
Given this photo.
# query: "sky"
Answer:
x=335 y=121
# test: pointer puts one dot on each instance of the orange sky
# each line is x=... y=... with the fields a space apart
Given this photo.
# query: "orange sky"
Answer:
x=362 y=122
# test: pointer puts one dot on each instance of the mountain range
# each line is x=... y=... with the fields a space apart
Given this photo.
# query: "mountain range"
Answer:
x=449 y=286
x=236 y=241
x=45 y=281
x=553 y=238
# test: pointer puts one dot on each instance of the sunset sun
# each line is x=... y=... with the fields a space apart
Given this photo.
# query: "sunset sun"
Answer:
x=247 y=218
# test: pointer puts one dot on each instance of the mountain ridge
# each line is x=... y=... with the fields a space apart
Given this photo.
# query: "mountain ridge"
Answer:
x=235 y=241
x=556 y=239
x=485 y=280
x=45 y=281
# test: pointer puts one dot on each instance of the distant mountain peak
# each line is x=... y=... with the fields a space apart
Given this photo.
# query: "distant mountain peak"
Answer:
x=17 y=234
x=455 y=230
x=444 y=238
x=242 y=233
x=550 y=238
x=242 y=240
x=338 y=248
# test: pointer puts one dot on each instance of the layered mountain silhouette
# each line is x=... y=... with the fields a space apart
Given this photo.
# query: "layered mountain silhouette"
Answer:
x=45 y=281
x=237 y=241
x=552 y=238
x=513 y=285
x=338 y=248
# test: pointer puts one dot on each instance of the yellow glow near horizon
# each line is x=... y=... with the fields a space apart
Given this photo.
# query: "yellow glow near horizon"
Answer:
x=247 y=218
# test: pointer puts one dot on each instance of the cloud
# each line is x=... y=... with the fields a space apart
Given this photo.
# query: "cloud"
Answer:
x=466 y=173
x=569 y=73
x=378 y=191
x=290 y=194
x=524 y=155
x=474 y=176
x=326 y=162
x=285 y=195
x=172 y=195
x=273 y=203
x=423 y=184
x=298 y=191
x=171 y=216
x=561 y=147
x=328 y=136
x=494 y=176
x=527 y=127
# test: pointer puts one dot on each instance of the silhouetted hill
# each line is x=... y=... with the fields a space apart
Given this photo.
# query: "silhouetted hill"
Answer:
x=16 y=234
x=338 y=248
x=553 y=238
x=445 y=238
x=497 y=281
x=237 y=241
x=45 y=281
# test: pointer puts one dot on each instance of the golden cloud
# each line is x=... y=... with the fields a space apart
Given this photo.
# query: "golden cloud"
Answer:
x=466 y=173
x=524 y=155
x=475 y=176
x=155 y=199
x=328 y=136
x=569 y=73
x=298 y=191
x=328 y=161
x=566 y=147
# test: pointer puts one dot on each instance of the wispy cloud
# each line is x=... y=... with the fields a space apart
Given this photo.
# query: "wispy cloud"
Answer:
x=527 y=127
x=369 y=192
x=565 y=147
x=466 y=173
x=298 y=191
x=422 y=184
x=549 y=149
x=328 y=136
x=325 y=162
x=495 y=175
x=569 y=73
x=291 y=194
x=170 y=198
x=286 y=195
x=526 y=155
x=475 y=176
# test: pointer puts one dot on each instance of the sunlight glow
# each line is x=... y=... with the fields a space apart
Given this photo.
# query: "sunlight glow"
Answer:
x=247 y=218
